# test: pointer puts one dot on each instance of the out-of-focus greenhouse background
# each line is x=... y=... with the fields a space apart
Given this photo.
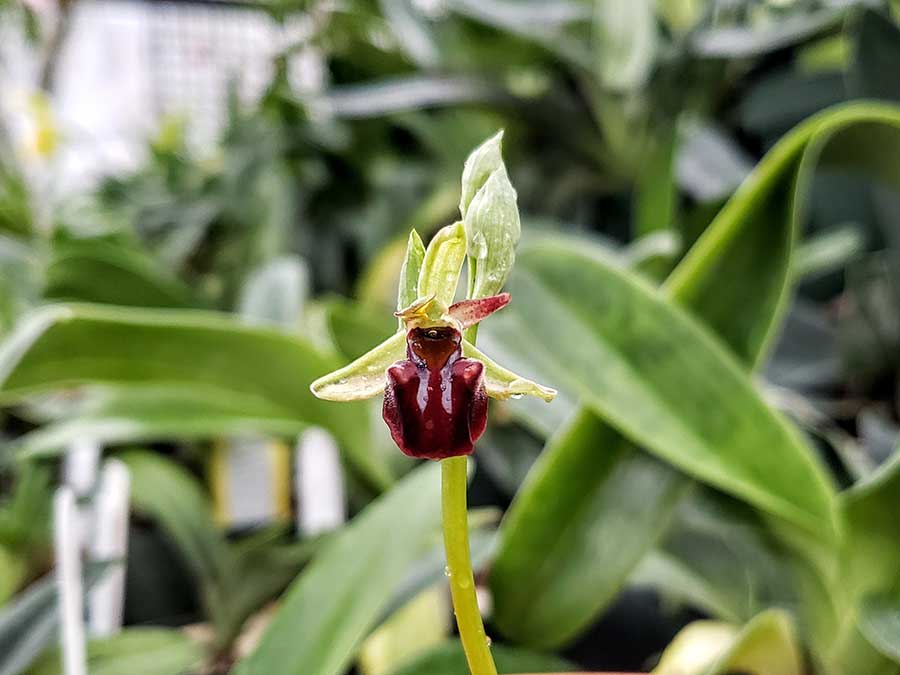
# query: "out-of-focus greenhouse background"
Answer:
x=204 y=206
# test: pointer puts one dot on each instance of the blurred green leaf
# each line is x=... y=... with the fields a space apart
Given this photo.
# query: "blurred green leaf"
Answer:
x=767 y=645
x=747 y=41
x=827 y=252
x=717 y=555
x=97 y=270
x=266 y=371
x=276 y=293
x=625 y=42
x=412 y=31
x=337 y=599
x=135 y=651
x=400 y=94
x=872 y=548
x=143 y=414
x=236 y=579
x=574 y=534
x=876 y=56
x=879 y=622
x=449 y=659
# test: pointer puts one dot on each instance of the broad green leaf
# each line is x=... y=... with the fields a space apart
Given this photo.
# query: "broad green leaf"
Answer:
x=551 y=553
x=134 y=651
x=63 y=346
x=339 y=598
x=741 y=244
x=94 y=270
x=449 y=659
x=879 y=622
x=653 y=372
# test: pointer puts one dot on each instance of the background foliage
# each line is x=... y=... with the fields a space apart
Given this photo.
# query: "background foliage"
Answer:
x=708 y=274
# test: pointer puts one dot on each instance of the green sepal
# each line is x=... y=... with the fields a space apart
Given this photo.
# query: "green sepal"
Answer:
x=501 y=383
x=363 y=378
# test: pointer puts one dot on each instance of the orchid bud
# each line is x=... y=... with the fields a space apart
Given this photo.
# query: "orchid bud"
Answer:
x=484 y=160
x=491 y=219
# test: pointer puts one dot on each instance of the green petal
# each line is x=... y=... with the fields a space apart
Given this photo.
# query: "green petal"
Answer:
x=443 y=263
x=502 y=383
x=365 y=377
x=409 y=273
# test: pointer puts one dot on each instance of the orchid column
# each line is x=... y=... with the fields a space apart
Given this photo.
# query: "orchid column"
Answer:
x=434 y=381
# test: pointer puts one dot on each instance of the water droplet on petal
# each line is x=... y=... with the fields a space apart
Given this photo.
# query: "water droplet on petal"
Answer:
x=447 y=571
x=487 y=640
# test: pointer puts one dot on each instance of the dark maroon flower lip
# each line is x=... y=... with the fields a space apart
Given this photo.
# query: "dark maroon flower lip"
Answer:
x=435 y=404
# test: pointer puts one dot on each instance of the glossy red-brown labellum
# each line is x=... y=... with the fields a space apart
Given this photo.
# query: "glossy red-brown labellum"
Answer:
x=434 y=402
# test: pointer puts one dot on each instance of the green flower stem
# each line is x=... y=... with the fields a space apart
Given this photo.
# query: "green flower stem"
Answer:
x=459 y=565
x=454 y=482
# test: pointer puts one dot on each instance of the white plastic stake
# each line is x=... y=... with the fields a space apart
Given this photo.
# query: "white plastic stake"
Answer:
x=110 y=542
x=252 y=481
x=319 y=483
x=82 y=462
x=67 y=545
x=80 y=474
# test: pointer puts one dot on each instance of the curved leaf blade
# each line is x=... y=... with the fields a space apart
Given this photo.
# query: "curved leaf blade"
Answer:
x=63 y=346
x=339 y=598
x=654 y=373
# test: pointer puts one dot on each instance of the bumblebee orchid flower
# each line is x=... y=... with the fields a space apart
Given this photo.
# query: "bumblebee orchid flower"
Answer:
x=435 y=383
